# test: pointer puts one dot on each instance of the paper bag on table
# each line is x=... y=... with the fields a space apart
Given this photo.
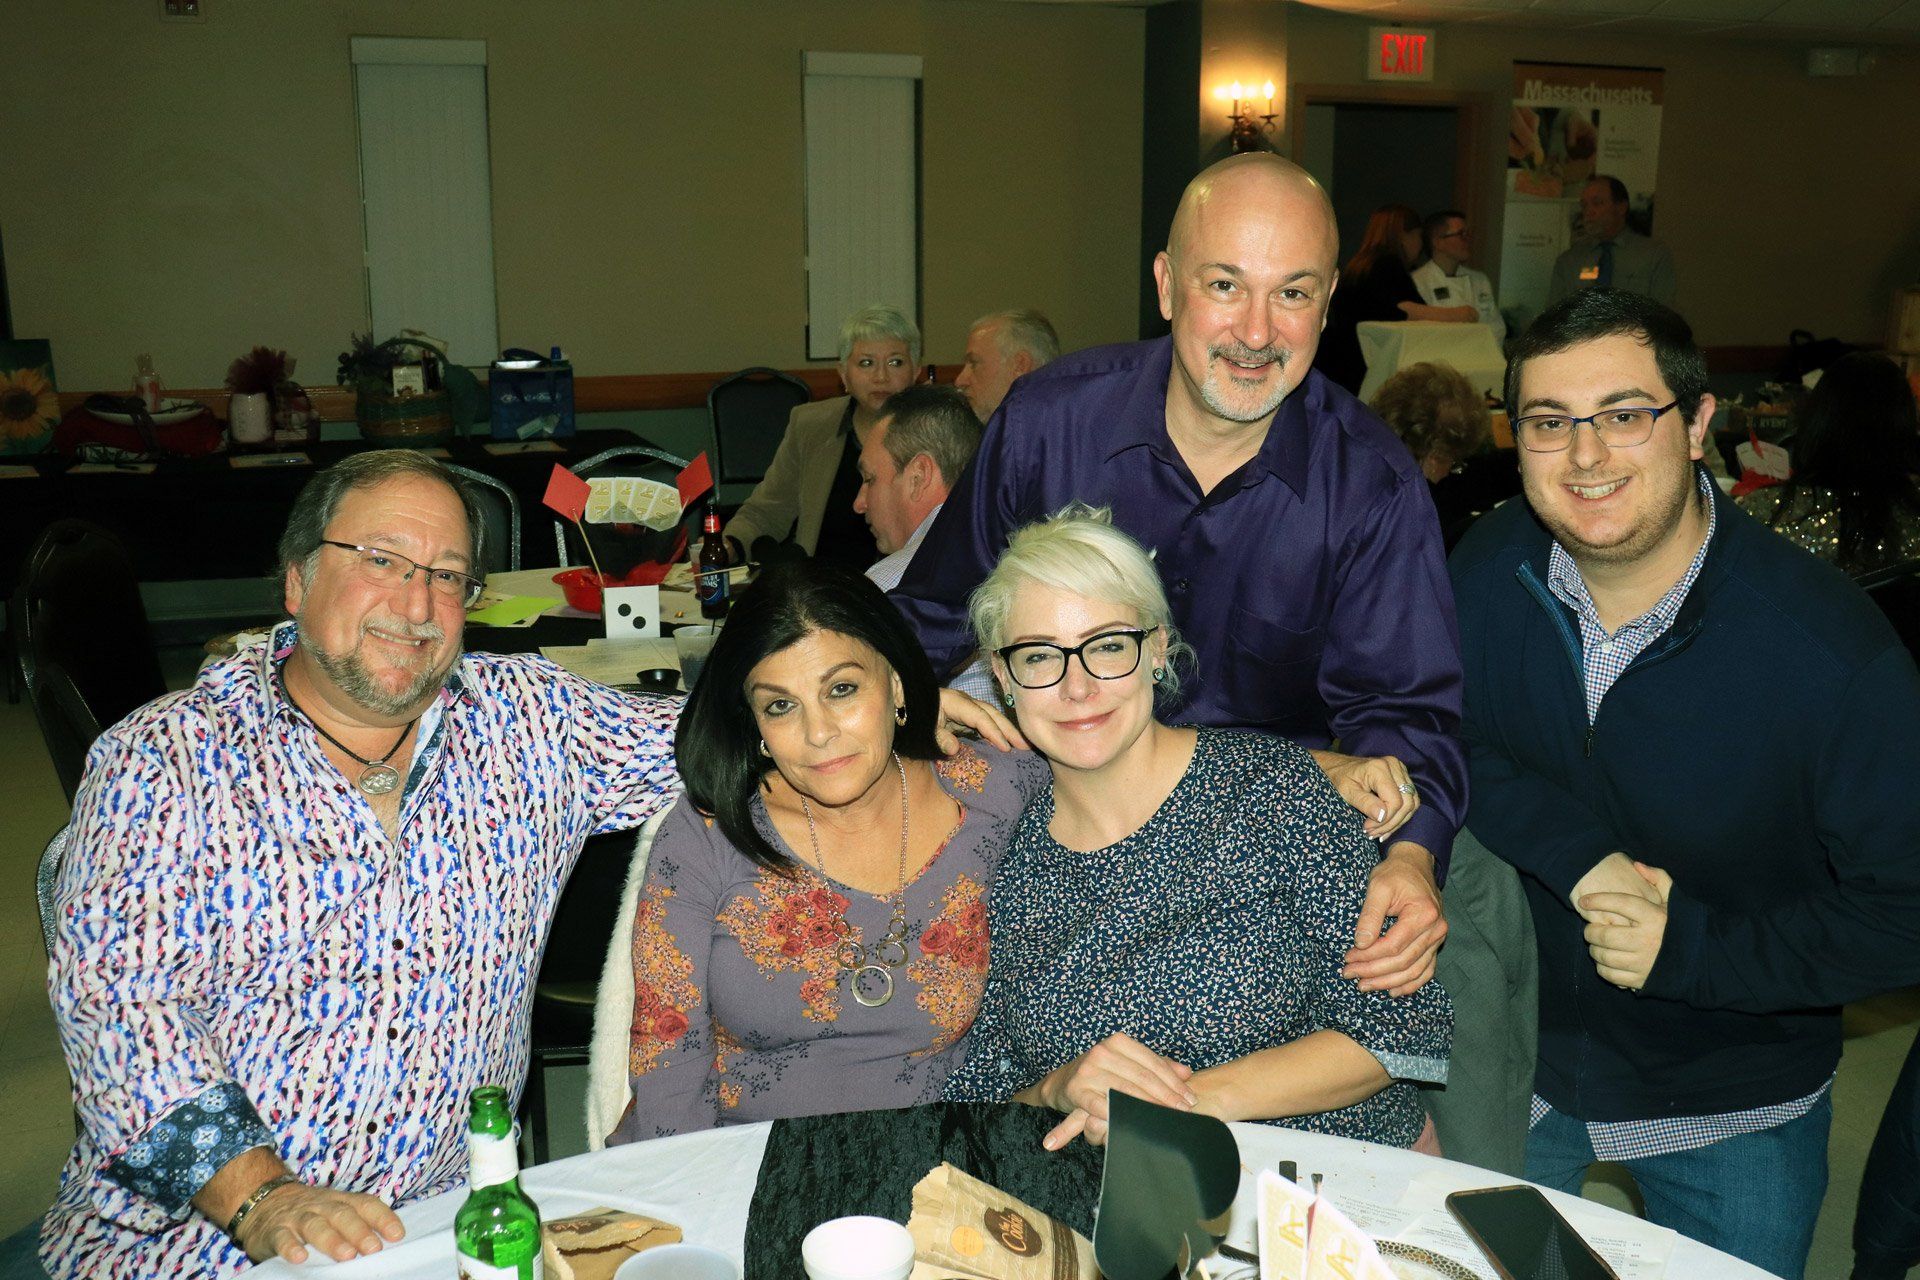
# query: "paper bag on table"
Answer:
x=965 y=1229
x=592 y=1245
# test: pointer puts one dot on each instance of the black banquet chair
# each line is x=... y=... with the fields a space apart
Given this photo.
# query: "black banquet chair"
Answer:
x=569 y=980
x=749 y=411
x=84 y=652
x=500 y=517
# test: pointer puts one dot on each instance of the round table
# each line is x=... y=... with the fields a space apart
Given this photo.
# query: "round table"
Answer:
x=703 y=1183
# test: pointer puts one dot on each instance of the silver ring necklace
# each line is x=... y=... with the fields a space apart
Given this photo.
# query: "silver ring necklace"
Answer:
x=377 y=777
x=869 y=969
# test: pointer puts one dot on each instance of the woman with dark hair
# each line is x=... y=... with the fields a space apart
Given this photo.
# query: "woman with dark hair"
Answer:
x=811 y=935
x=1854 y=498
x=1376 y=284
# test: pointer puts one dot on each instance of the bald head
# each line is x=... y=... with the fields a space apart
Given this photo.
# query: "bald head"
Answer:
x=1257 y=186
x=1248 y=271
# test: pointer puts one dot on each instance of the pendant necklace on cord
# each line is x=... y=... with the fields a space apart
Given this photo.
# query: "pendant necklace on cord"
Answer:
x=377 y=777
x=873 y=965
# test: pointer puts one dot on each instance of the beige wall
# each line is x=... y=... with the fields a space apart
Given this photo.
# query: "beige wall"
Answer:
x=1243 y=40
x=1789 y=202
x=194 y=187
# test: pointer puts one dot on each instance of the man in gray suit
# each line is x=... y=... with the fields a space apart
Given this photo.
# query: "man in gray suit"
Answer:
x=1613 y=255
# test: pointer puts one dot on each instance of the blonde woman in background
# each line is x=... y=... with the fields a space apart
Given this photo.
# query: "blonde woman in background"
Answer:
x=804 y=504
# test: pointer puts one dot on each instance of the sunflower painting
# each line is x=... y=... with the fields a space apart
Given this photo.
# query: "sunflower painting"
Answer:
x=29 y=408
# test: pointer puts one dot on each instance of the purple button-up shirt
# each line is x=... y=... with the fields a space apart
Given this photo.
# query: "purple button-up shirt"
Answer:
x=1311 y=583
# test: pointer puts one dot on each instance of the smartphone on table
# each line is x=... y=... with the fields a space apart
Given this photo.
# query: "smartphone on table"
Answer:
x=1525 y=1237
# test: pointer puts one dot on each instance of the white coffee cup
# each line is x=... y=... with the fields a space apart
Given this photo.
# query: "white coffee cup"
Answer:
x=677 y=1262
x=858 y=1249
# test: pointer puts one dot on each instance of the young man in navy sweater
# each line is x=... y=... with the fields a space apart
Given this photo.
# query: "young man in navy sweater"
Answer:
x=1696 y=742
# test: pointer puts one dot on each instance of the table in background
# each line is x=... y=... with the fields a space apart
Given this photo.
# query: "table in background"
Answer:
x=1391 y=345
x=197 y=518
x=704 y=1182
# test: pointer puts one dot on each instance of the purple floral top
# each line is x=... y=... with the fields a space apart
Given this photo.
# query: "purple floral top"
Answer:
x=740 y=1010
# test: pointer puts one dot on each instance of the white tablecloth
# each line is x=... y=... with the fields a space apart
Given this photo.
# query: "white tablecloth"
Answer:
x=1391 y=345
x=703 y=1182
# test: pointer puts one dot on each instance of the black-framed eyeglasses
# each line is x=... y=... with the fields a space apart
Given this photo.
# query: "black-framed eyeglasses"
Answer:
x=1618 y=428
x=1111 y=655
x=1448 y=235
x=385 y=568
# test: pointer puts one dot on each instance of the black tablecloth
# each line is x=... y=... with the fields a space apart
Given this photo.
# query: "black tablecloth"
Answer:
x=867 y=1162
x=195 y=518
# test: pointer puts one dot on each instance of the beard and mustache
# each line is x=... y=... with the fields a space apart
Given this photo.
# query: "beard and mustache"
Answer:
x=350 y=673
x=1215 y=395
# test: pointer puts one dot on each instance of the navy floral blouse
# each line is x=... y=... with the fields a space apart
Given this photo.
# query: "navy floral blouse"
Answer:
x=1216 y=930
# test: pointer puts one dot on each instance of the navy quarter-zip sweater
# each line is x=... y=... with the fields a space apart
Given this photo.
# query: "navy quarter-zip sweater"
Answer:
x=1765 y=752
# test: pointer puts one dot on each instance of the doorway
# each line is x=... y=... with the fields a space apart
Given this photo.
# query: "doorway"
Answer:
x=1368 y=150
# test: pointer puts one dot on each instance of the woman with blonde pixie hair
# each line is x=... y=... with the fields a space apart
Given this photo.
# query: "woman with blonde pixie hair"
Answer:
x=1172 y=913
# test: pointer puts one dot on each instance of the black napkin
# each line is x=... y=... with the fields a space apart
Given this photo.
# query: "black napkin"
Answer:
x=867 y=1162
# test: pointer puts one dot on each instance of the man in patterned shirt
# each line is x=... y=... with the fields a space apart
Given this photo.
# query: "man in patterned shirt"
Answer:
x=303 y=902
x=1694 y=740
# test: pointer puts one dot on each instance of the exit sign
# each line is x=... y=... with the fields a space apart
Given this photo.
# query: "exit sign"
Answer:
x=1399 y=53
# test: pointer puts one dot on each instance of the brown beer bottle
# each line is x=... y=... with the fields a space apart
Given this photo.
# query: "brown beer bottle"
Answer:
x=713 y=586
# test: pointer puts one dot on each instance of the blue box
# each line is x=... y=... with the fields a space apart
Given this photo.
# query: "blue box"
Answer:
x=534 y=402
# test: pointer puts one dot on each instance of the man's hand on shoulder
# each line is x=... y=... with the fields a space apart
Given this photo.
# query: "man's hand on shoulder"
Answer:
x=1378 y=786
x=958 y=711
x=1401 y=960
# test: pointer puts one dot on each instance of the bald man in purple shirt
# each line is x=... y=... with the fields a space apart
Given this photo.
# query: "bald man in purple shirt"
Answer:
x=1293 y=531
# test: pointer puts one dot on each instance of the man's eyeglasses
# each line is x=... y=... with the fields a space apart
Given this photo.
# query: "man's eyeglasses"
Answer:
x=1110 y=655
x=1457 y=233
x=385 y=568
x=1619 y=428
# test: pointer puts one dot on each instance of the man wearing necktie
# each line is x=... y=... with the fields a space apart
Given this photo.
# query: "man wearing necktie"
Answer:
x=1611 y=255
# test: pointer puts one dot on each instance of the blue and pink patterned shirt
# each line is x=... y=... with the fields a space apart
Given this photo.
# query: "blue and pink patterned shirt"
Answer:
x=244 y=957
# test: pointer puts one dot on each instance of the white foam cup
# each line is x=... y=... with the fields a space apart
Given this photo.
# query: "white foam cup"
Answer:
x=857 y=1249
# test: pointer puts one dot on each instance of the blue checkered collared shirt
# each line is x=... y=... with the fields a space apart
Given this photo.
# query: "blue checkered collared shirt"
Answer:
x=1603 y=657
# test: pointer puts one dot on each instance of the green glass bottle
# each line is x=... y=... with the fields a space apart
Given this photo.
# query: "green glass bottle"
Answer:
x=497 y=1231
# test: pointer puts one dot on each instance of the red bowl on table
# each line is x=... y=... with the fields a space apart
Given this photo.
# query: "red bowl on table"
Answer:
x=582 y=587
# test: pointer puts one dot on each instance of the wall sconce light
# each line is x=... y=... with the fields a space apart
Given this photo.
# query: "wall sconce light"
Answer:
x=1251 y=128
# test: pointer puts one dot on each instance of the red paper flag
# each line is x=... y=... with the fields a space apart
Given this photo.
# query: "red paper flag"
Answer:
x=695 y=480
x=567 y=493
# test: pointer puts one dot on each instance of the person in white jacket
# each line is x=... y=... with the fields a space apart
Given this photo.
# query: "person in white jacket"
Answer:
x=1445 y=279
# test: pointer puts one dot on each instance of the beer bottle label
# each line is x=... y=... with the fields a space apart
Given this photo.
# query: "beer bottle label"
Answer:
x=494 y=1160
